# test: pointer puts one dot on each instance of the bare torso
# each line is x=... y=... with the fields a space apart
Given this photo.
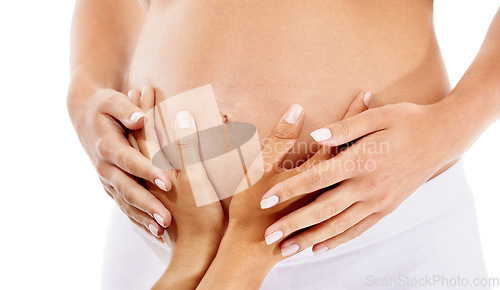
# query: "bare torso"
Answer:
x=263 y=56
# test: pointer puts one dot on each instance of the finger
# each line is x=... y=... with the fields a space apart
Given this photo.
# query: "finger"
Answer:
x=137 y=196
x=135 y=97
x=147 y=98
x=147 y=138
x=322 y=175
x=325 y=230
x=283 y=137
x=132 y=161
x=324 y=207
x=121 y=108
x=324 y=153
x=139 y=218
x=160 y=127
x=350 y=234
x=350 y=129
x=358 y=105
x=187 y=140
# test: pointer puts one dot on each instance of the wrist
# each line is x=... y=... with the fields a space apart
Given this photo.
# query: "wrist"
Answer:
x=189 y=262
x=463 y=118
x=242 y=262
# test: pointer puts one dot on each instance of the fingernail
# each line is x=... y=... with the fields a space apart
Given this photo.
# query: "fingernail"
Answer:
x=269 y=202
x=183 y=120
x=161 y=184
x=136 y=116
x=367 y=98
x=320 y=250
x=130 y=94
x=159 y=219
x=289 y=250
x=152 y=228
x=273 y=237
x=321 y=134
x=293 y=114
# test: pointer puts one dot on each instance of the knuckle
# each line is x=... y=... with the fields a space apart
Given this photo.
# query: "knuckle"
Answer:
x=126 y=163
x=188 y=142
x=103 y=148
x=283 y=133
x=317 y=181
x=122 y=112
x=127 y=196
x=357 y=231
x=102 y=170
x=285 y=192
x=290 y=226
x=324 y=212
x=339 y=226
x=343 y=128
x=107 y=102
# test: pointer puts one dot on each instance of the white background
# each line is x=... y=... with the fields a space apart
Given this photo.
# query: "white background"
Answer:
x=54 y=212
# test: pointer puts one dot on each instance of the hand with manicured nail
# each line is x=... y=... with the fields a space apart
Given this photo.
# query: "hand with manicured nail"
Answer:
x=243 y=255
x=197 y=217
x=101 y=118
x=397 y=148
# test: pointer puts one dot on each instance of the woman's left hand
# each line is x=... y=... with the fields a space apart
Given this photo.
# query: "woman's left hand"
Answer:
x=399 y=147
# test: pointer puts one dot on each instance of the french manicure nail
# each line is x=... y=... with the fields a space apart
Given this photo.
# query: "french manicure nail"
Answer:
x=367 y=98
x=269 y=202
x=161 y=184
x=273 y=237
x=293 y=114
x=321 y=134
x=289 y=250
x=159 y=219
x=130 y=93
x=183 y=120
x=320 y=250
x=152 y=228
x=136 y=116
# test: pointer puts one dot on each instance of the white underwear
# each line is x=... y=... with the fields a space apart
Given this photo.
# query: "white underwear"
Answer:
x=430 y=241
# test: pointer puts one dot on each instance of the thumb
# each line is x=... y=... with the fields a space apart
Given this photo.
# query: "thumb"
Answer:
x=187 y=140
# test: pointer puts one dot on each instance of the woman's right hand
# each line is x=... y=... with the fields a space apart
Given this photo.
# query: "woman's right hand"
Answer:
x=101 y=118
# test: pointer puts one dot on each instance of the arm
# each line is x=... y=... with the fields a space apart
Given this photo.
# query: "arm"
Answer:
x=198 y=218
x=245 y=257
x=476 y=98
x=103 y=37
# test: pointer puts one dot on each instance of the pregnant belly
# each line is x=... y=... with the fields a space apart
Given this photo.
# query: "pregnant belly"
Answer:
x=261 y=59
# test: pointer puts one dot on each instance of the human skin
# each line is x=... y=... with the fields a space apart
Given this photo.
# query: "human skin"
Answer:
x=102 y=42
x=426 y=137
x=195 y=231
x=243 y=258
x=261 y=56
x=318 y=55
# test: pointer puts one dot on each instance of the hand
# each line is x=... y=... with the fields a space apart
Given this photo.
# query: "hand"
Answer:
x=197 y=216
x=243 y=255
x=98 y=116
x=398 y=148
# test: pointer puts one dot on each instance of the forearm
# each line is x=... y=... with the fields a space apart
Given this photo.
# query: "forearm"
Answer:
x=103 y=38
x=475 y=101
x=189 y=263
x=242 y=262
